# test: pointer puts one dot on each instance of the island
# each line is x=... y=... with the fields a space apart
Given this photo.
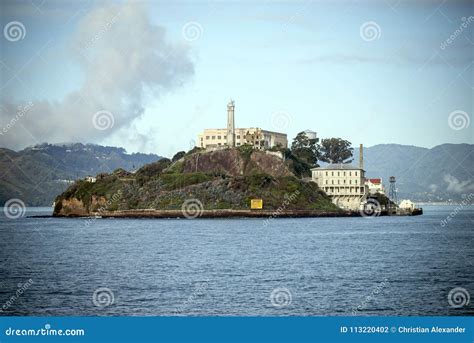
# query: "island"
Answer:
x=225 y=182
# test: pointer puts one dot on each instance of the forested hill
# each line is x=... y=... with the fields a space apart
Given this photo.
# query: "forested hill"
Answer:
x=36 y=175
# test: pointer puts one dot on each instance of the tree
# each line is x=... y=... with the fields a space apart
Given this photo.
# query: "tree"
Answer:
x=305 y=149
x=178 y=156
x=335 y=150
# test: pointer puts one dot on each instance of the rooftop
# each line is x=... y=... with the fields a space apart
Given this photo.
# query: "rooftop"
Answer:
x=338 y=166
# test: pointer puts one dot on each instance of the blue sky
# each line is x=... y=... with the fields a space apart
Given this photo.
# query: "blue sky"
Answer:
x=289 y=66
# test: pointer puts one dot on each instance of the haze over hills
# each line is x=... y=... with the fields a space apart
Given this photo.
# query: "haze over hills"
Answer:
x=442 y=173
x=38 y=174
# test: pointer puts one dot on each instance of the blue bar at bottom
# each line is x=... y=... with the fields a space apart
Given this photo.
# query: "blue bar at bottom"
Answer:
x=237 y=329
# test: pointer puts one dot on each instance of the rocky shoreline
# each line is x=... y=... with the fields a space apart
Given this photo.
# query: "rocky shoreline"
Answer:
x=219 y=213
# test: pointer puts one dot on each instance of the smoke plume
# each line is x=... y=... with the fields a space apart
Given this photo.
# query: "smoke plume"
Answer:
x=125 y=60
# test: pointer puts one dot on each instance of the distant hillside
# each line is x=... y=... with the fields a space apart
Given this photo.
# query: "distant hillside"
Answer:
x=38 y=174
x=442 y=173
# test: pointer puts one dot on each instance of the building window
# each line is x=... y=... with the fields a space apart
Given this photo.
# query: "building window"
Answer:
x=344 y=181
x=338 y=181
x=218 y=137
x=213 y=137
x=326 y=182
x=238 y=144
x=332 y=173
x=356 y=182
x=332 y=181
x=337 y=173
x=326 y=173
x=201 y=139
x=350 y=173
x=355 y=173
x=350 y=182
x=344 y=173
x=238 y=136
x=207 y=137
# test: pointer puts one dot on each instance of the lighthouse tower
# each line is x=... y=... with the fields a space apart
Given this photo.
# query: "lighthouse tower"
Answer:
x=230 y=124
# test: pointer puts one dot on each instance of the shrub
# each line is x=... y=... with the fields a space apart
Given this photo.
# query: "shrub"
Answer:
x=177 y=180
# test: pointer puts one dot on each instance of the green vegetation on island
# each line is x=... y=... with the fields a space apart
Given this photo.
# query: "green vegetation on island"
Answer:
x=221 y=179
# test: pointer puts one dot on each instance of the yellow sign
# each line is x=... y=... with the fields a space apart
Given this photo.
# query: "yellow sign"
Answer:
x=256 y=204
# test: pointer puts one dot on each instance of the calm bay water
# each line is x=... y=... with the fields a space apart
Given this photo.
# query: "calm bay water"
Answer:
x=313 y=266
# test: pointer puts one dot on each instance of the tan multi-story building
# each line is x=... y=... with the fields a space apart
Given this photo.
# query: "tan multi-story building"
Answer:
x=344 y=183
x=260 y=139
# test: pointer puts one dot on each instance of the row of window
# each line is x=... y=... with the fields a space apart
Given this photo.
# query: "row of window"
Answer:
x=339 y=173
x=338 y=182
x=202 y=144
x=343 y=190
x=218 y=137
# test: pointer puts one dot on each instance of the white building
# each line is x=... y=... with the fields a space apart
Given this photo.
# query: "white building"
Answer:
x=91 y=179
x=231 y=136
x=407 y=205
x=344 y=183
x=311 y=134
x=375 y=186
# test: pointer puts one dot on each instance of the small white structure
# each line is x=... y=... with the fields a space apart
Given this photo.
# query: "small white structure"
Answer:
x=278 y=154
x=375 y=186
x=91 y=179
x=407 y=205
x=311 y=134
